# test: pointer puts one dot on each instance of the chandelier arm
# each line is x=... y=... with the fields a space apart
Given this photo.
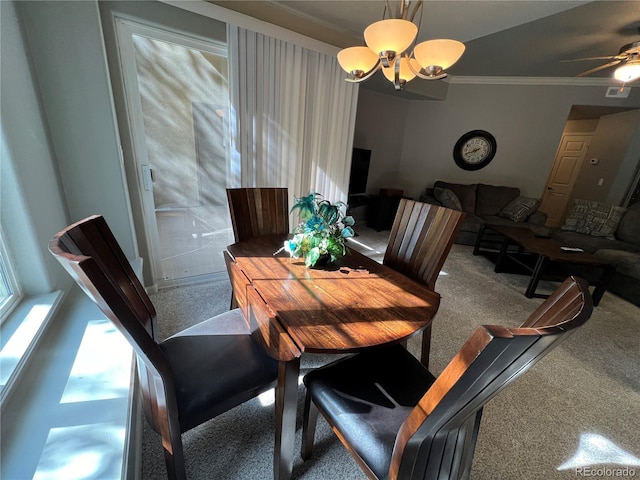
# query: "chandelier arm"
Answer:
x=440 y=76
x=396 y=74
x=387 y=8
x=417 y=7
x=402 y=13
x=367 y=75
x=419 y=73
x=415 y=40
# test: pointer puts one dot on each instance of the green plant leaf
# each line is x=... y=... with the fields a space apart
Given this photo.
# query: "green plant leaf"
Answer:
x=312 y=257
x=347 y=232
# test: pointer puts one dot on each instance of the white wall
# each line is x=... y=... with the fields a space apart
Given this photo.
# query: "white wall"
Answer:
x=527 y=122
x=31 y=201
x=66 y=47
x=609 y=145
x=380 y=126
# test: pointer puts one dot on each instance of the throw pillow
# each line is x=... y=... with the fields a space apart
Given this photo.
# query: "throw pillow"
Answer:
x=519 y=209
x=593 y=218
x=447 y=198
x=465 y=193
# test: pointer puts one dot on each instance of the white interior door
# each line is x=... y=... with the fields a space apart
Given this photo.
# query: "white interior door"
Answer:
x=178 y=106
x=571 y=154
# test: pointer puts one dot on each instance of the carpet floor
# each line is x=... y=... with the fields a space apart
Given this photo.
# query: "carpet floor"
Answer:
x=575 y=413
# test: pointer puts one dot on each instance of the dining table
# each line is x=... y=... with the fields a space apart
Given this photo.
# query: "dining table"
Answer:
x=344 y=306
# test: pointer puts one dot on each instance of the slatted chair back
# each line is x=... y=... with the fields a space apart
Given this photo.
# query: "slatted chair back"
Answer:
x=439 y=436
x=256 y=212
x=419 y=243
x=91 y=255
x=420 y=240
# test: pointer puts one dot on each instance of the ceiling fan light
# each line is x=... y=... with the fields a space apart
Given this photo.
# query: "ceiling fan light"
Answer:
x=628 y=72
x=391 y=35
x=406 y=74
x=357 y=59
x=441 y=53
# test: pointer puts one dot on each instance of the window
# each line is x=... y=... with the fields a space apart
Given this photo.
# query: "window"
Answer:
x=9 y=289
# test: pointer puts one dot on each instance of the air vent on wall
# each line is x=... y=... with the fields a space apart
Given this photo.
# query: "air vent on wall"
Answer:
x=618 y=92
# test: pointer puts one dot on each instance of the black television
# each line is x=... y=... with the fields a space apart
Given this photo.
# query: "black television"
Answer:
x=360 y=159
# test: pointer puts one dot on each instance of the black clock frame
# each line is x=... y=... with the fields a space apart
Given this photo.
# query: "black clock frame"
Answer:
x=457 y=150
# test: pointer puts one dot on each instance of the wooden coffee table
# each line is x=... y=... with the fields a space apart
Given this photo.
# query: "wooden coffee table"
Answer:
x=546 y=250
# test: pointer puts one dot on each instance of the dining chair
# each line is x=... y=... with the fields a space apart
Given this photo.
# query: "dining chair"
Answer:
x=186 y=379
x=256 y=212
x=399 y=421
x=420 y=240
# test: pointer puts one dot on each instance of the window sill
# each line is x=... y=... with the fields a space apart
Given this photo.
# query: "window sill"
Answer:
x=20 y=333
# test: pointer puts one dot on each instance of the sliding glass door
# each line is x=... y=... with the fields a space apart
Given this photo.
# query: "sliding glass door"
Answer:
x=178 y=106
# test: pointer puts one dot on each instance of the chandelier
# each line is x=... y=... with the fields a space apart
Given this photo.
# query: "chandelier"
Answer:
x=388 y=48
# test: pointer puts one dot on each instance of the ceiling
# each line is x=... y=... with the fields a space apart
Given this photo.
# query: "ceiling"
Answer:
x=530 y=39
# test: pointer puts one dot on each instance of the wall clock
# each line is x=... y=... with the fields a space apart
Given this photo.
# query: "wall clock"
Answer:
x=474 y=150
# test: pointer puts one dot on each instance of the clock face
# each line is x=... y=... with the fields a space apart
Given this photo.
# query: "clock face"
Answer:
x=474 y=150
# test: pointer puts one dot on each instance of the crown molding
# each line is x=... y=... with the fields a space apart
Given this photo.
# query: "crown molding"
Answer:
x=572 y=81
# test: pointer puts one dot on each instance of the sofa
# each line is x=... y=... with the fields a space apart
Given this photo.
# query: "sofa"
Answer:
x=485 y=205
x=612 y=234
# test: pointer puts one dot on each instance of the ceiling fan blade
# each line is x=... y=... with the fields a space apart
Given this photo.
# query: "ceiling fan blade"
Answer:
x=610 y=57
x=597 y=69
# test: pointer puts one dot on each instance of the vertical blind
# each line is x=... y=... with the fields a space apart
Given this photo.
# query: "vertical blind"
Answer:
x=293 y=117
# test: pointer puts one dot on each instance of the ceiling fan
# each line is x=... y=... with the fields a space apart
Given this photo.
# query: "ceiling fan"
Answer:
x=627 y=59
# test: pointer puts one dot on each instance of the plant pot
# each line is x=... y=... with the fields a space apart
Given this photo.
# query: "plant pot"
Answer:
x=324 y=259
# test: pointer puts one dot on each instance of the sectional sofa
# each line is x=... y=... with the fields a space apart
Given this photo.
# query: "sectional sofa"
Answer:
x=610 y=232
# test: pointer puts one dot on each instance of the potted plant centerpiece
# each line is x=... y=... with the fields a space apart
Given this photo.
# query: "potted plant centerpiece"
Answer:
x=322 y=232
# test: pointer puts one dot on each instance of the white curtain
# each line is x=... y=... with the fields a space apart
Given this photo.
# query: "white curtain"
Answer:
x=294 y=116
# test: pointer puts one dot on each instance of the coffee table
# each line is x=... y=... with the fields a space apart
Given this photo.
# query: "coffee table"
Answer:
x=545 y=250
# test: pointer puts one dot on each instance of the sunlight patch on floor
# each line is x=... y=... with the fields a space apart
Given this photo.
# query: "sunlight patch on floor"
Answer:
x=361 y=244
x=595 y=449
x=268 y=398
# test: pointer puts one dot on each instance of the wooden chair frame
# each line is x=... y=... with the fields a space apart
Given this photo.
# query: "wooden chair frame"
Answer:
x=419 y=243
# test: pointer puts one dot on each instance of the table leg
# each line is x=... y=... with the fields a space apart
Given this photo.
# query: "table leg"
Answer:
x=476 y=247
x=286 y=407
x=535 y=276
x=501 y=255
x=600 y=288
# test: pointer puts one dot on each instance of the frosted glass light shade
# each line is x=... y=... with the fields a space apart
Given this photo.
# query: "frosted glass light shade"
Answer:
x=628 y=72
x=405 y=72
x=393 y=34
x=441 y=53
x=358 y=59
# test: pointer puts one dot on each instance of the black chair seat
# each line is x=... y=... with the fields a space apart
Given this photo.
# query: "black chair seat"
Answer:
x=236 y=367
x=367 y=397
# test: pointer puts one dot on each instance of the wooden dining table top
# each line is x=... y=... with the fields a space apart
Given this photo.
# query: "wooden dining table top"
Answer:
x=354 y=302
